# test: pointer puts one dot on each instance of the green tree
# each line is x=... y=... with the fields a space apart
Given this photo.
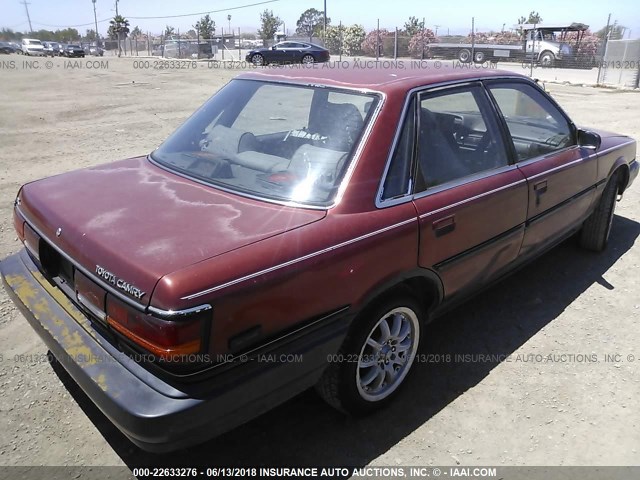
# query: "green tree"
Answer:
x=169 y=30
x=533 y=18
x=90 y=35
x=345 y=40
x=333 y=40
x=66 y=35
x=311 y=23
x=205 y=27
x=269 y=24
x=413 y=26
x=9 y=34
x=118 y=29
x=136 y=32
x=352 y=39
x=615 y=32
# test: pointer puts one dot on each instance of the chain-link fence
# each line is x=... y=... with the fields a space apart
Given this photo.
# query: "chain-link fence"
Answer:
x=621 y=64
x=175 y=47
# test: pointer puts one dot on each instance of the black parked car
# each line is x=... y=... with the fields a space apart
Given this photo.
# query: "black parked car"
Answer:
x=6 y=47
x=73 y=51
x=289 y=53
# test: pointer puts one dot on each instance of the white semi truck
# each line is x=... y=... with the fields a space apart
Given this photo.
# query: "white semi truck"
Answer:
x=546 y=45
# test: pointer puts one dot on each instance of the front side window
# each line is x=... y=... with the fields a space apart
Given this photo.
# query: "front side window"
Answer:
x=458 y=137
x=271 y=140
x=536 y=126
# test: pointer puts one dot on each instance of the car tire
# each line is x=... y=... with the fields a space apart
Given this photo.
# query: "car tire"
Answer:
x=464 y=55
x=356 y=380
x=596 y=229
x=547 y=60
x=308 y=59
x=479 y=57
x=257 y=60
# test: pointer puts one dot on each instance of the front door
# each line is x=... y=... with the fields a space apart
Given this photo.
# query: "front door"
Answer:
x=561 y=175
x=471 y=202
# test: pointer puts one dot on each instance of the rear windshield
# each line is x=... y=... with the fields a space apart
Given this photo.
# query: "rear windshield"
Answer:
x=271 y=140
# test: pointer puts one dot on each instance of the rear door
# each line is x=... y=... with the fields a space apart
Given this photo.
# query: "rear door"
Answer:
x=471 y=201
x=561 y=175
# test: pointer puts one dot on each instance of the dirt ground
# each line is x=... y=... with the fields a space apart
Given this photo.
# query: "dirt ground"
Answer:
x=573 y=408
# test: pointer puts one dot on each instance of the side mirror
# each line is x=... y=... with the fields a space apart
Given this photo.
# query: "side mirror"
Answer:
x=588 y=139
x=273 y=48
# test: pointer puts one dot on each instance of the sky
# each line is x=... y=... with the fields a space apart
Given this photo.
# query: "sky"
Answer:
x=450 y=16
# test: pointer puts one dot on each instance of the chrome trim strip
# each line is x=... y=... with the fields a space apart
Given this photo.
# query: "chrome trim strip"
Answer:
x=297 y=260
x=84 y=301
x=107 y=287
x=567 y=165
x=168 y=314
x=610 y=149
x=544 y=156
x=470 y=199
x=560 y=167
x=464 y=181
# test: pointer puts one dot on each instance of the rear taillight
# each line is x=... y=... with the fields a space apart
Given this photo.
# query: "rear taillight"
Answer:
x=173 y=341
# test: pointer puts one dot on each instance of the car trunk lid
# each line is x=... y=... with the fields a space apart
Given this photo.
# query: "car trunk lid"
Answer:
x=136 y=222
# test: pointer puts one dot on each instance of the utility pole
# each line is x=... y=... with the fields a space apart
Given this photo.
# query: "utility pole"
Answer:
x=95 y=18
x=604 y=49
x=324 y=32
x=118 y=26
x=26 y=7
x=436 y=27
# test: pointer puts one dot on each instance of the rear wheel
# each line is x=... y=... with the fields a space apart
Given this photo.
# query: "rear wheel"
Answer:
x=597 y=228
x=464 y=55
x=375 y=358
x=479 y=57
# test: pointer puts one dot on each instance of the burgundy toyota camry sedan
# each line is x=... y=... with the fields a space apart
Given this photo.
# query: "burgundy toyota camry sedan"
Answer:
x=299 y=230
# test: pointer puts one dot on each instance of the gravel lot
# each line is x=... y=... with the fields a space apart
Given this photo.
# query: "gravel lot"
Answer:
x=574 y=409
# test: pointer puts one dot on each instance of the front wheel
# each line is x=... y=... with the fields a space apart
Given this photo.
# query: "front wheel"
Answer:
x=375 y=358
x=547 y=60
x=307 y=59
x=596 y=230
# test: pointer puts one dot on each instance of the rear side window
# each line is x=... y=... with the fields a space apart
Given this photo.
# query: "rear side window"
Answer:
x=398 y=180
x=536 y=126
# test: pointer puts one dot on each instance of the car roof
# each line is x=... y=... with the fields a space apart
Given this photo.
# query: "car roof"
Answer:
x=384 y=80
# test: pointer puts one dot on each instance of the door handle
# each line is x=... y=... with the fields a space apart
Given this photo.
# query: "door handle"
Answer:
x=444 y=225
x=540 y=188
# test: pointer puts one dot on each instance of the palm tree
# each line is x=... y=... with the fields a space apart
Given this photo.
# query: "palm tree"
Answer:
x=119 y=25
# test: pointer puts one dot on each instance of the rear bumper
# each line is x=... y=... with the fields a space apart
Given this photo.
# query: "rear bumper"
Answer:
x=153 y=414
